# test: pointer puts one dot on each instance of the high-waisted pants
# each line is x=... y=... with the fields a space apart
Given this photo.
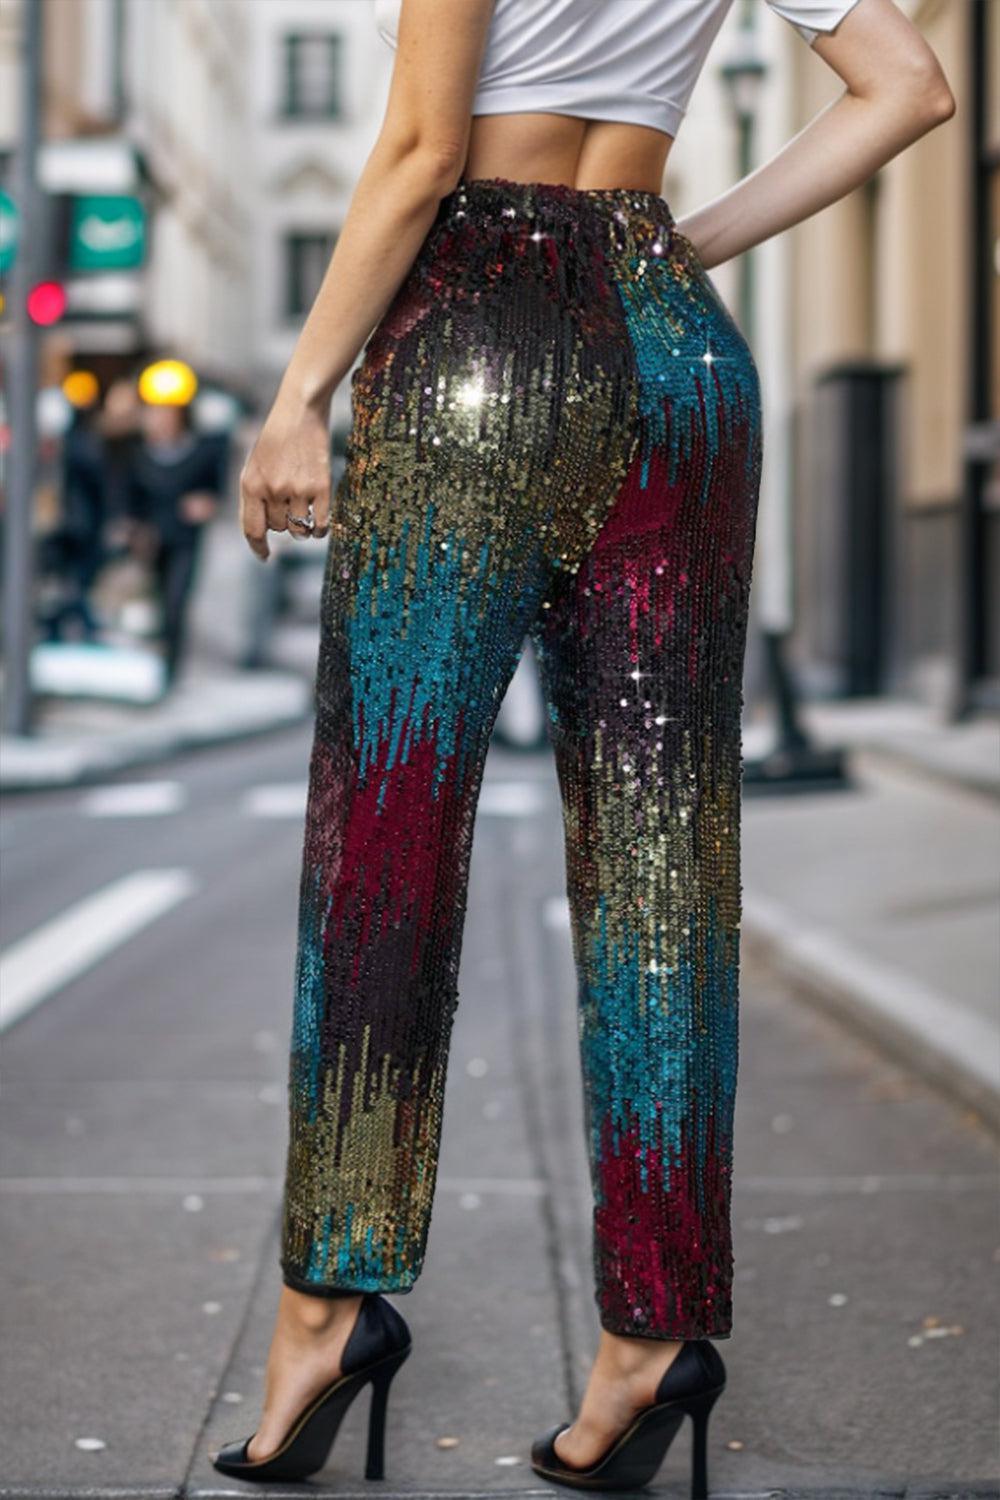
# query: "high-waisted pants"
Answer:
x=555 y=435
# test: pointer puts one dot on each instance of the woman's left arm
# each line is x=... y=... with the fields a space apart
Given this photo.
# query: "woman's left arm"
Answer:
x=895 y=93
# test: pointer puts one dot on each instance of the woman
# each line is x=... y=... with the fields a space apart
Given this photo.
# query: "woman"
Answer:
x=556 y=433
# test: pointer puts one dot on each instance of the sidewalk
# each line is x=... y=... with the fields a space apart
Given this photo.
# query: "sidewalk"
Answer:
x=145 y=1136
x=910 y=735
x=881 y=901
x=79 y=740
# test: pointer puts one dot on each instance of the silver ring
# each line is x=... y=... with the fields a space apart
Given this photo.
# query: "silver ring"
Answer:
x=308 y=522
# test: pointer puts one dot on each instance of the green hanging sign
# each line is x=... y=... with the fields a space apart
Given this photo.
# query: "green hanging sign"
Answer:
x=8 y=231
x=107 y=232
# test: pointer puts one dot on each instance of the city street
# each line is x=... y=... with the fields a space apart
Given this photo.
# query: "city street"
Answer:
x=148 y=932
x=719 y=261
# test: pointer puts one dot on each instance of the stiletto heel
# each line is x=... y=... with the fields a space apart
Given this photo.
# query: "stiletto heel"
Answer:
x=381 y=1380
x=378 y=1344
x=691 y=1385
x=700 y=1409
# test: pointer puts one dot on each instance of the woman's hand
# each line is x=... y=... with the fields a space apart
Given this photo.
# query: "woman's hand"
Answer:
x=287 y=470
x=418 y=158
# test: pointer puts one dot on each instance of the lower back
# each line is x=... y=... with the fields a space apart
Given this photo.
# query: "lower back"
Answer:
x=544 y=147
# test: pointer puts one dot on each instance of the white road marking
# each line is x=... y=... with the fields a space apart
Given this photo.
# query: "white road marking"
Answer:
x=555 y=912
x=281 y=799
x=64 y=947
x=497 y=799
x=511 y=799
x=531 y=1187
x=516 y=1187
x=136 y=799
x=170 y=1186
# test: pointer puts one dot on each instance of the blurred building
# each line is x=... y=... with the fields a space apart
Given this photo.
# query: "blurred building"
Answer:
x=146 y=170
x=320 y=75
x=200 y=157
x=876 y=328
x=895 y=357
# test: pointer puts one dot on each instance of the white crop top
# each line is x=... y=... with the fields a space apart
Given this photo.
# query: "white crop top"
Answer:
x=631 y=60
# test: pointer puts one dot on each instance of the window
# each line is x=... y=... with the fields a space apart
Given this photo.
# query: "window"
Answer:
x=306 y=259
x=314 y=75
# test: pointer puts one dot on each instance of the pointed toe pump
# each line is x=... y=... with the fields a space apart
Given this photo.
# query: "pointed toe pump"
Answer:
x=378 y=1344
x=691 y=1385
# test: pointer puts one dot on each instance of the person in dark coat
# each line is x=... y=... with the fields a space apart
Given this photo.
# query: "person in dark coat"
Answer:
x=175 y=479
x=74 y=552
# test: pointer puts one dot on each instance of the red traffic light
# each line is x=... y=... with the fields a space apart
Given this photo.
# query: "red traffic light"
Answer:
x=46 y=302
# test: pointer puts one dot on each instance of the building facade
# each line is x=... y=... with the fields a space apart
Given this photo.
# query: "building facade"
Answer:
x=876 y=329
x=320 y=75
x=895 y=354
x=200 y=157
x=145 y=166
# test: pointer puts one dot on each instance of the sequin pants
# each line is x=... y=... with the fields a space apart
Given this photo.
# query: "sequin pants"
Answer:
x=555 y=435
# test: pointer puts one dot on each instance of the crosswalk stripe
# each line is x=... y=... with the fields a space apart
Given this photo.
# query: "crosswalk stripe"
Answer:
x=38 y=965
x=280 y=799
x=133 y=799
x=497 y=799
x=555 y=912
x=511 y=799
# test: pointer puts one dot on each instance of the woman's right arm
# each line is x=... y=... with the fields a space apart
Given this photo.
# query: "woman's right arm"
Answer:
x=895 y=92
x=416 y=160
x=418 y=157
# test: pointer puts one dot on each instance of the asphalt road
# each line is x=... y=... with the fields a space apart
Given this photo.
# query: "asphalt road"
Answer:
x=148 y=932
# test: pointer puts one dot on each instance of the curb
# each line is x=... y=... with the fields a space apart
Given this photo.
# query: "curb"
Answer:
x=42 y=764
x=925 y=1029
x=899 y=758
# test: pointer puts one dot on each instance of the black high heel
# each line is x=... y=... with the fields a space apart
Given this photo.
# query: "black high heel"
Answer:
x=691 y=1385
x=378 y=1344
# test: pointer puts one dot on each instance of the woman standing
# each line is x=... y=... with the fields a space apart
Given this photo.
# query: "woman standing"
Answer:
x=556 y=434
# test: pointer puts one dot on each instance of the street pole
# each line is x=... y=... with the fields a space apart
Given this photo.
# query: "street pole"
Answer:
x=21 y=367
x=793 y=761
x=747 y=262
x=982 y=431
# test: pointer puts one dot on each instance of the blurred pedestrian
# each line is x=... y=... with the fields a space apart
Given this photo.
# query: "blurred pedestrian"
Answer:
x=121 y=427
x=174 y=480
x=74 y=552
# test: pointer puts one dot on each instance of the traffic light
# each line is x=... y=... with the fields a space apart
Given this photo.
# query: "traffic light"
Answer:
x=46 y=303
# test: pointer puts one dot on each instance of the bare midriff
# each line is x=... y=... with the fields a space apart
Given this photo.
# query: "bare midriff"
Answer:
x=544 y=147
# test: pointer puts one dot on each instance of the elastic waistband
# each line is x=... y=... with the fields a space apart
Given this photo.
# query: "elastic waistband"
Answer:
x=625 y=216
x=554 y=198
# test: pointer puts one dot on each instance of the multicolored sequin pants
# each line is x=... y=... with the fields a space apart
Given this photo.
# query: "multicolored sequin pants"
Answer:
x=556 y=435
